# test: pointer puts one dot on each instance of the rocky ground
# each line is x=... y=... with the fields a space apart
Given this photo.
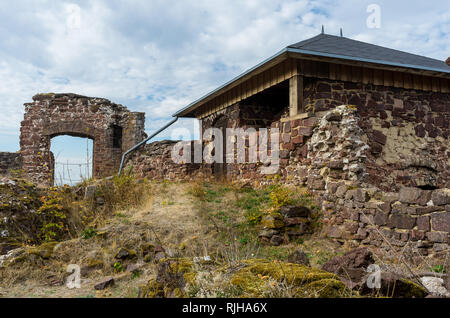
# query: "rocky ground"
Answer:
x=194 y=240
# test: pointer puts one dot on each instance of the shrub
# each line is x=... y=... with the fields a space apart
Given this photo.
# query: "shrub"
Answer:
x=118 y=267
x=53 y=215
x=88 y=233
x=122 y=192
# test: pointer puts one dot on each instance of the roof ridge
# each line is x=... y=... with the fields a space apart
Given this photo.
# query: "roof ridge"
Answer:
x=384 y=47
x=309 y=41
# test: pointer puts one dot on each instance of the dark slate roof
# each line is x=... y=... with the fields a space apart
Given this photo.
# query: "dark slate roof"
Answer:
x=338 y=47
x=342 y=46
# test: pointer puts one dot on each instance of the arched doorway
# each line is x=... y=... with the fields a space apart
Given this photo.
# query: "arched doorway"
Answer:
x=72 y=159
x=111 y=127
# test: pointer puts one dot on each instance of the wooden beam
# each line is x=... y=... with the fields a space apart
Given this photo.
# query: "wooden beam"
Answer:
x=426 y=83
x=367 y=64
x=388 y=79
x=378 y=77
x=435 y=84
x=346 y=73
x=408 y=84
x=367 y=77
x=356 y=74
x=445 y=88
x=332 y=71
x=295 y=95
x=417 y=82
x=398 y=79
x=307 y=68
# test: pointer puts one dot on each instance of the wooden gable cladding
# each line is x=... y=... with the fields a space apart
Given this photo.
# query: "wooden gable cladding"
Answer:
x=257 y=82
x=365 y=75
x=249 y=87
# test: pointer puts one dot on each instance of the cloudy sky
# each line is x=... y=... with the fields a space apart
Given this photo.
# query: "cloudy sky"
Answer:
x=157 y=56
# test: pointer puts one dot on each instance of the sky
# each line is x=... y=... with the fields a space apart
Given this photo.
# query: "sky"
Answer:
x=157 y=56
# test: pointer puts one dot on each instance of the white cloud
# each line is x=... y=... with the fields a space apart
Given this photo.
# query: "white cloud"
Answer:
x=158 y=56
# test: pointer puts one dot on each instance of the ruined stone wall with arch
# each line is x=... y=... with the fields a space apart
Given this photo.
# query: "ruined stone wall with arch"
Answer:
x=112 y=127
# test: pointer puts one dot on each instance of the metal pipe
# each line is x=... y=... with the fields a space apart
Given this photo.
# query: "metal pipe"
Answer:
x=144 y=142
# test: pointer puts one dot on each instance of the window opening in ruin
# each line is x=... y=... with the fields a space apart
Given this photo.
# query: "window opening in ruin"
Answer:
x=272 y=103
x=72 y=159
x=117 y=136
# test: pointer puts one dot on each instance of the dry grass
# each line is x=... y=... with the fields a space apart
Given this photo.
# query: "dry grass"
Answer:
x=187 y=219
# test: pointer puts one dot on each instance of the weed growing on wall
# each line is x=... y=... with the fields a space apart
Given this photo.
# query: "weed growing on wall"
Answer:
x=53 y=215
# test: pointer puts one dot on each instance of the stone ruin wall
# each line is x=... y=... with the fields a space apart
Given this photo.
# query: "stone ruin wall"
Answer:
x=378 y=166
x=112 y=128
x=154 y=161
x=407 y=131
x=9 y=161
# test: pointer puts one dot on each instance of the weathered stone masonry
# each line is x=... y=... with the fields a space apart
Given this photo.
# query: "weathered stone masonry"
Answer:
x=112 y=127
x=407 y=131
x=9 y=161
x=378 y=166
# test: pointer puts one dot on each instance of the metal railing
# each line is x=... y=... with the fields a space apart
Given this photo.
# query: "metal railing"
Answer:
x=144 y=142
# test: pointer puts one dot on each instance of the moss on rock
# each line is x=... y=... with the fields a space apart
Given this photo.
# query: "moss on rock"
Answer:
x=307 y=282
x=152 y=289
x=44 y=251
x=324 y=288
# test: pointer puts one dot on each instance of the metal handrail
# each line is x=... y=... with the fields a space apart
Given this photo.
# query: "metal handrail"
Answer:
x=144 y=142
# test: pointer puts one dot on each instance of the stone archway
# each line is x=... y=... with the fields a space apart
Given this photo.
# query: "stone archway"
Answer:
x=112 y=127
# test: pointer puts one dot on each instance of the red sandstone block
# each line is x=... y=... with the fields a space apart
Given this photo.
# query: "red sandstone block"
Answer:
x=305 y=131
x=417 y=235
x=297 y=140
x=287 y=127
x=309 y=122
x=296 y=123
x=286 y=138
x=288 y=146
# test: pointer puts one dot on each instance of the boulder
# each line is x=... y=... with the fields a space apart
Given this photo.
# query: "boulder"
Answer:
x=268 y=233
x=298 y=257
x=395 y=286
x=107 y=282
x=134 y=268
x=291 y=211
x=44 y=251
x=5 y=248
x=272 y=222
x=91 y=265
x=277 y=240
x=435 y=286
x=305 y=281
x=124 y=253
x=351 y=267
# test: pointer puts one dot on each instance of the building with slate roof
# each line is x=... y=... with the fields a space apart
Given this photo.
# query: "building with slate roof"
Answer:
x=363 y=128
x=395 y=94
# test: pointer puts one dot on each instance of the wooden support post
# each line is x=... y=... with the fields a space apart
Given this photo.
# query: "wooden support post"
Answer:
x=295 y=95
